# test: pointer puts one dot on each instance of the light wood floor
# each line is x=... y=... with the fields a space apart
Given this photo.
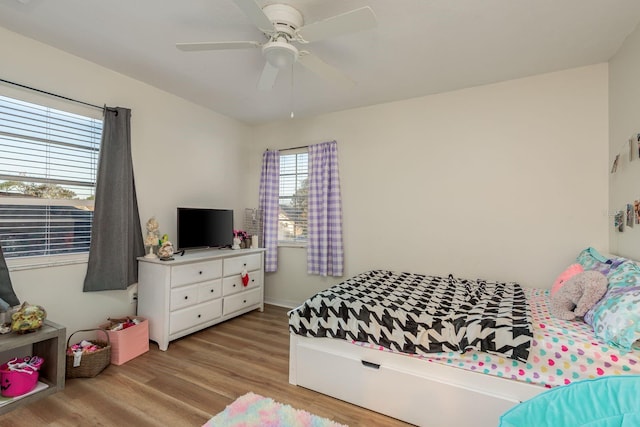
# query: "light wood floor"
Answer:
x=195 y=379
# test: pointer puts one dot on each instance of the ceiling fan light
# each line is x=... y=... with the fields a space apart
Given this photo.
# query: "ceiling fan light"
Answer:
x=280 y=54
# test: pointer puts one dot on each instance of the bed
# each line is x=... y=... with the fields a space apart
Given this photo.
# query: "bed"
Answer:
x=493 y=356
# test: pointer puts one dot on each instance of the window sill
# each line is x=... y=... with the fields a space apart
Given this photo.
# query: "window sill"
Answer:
x=32 y=263
x=292 y=245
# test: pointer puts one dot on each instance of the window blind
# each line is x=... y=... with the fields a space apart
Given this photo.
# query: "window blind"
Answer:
x=48 y=166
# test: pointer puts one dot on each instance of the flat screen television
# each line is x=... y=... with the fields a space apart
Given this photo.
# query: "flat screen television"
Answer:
x=204 y=228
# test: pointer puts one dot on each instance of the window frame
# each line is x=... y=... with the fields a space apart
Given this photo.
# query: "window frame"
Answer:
x=90 y=113
x=293 y=243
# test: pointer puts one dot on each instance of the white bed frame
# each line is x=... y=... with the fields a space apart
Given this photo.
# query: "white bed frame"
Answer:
x=410 y=389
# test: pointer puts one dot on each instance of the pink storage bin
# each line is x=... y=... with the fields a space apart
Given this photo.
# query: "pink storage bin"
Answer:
x=18 y=382
x=129 y=343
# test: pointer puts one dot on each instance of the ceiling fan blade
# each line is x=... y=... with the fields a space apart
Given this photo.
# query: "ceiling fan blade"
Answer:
x=268 y=77
x=191 y=47
x=254 y=12
x=324 y=70
x=349 y=22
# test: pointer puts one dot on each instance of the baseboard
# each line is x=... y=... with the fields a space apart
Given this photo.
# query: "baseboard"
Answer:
x=281 y=303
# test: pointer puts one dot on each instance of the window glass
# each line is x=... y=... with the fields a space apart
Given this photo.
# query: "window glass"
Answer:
x=294 y=188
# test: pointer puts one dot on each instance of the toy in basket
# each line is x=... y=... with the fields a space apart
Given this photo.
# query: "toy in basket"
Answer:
x=87 y=359
x=19 y=376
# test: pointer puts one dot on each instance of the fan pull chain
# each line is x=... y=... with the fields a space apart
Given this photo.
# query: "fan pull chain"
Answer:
x=291 y=99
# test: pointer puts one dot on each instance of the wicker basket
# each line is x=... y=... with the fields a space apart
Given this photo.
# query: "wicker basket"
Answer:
x=92 y=363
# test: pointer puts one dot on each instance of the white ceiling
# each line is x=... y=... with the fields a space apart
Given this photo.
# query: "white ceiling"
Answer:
x=419 y=47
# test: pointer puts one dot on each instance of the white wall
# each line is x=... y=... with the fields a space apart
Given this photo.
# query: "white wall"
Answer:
x=183 y=155
x=624 y=118
x=505 y=181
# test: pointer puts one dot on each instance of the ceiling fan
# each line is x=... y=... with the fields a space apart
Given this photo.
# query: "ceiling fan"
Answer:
x=282 y=26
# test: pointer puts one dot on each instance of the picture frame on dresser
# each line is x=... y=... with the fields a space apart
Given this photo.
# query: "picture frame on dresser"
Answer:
x=197 y=290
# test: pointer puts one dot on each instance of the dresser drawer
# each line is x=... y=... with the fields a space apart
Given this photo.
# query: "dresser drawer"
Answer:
x=242 y=300
x=195 y=272
x=233 y=285
x=193 y=316
x=236 y=264
x=210 y=290
x=183 y=297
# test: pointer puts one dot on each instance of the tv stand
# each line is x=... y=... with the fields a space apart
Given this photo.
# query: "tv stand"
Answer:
x=197 y=290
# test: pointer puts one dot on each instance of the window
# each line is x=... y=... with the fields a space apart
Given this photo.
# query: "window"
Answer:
x=294 y=188
x=48 y=165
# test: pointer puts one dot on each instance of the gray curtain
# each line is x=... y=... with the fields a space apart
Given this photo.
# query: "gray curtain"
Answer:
x=116 y=234
x=6 y=290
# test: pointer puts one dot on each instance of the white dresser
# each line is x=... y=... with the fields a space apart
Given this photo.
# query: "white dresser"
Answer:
x=197 y=290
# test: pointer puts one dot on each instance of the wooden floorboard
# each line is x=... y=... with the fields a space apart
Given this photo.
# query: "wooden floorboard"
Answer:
x=195 y=379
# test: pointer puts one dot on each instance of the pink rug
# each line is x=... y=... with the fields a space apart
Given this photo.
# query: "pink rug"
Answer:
x=253 y=410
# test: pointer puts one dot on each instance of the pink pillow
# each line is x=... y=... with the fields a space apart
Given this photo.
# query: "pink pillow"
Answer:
x=571 y=271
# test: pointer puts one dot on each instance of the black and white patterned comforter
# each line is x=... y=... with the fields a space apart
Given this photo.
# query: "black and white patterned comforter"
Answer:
x=418 y=314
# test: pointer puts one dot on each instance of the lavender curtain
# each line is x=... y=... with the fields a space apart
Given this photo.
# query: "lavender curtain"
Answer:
x=325 y=255
x=116 y=234
x=269 y=204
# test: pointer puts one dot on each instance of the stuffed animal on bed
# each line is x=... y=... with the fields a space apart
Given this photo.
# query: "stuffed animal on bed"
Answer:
x=578 y=294
x=571 y=271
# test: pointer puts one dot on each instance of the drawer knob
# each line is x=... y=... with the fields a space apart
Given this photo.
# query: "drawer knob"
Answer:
x=186 y=297
x=199 y=272
x=234 y=285
x=199 y=316
x=211 y=290
x=244 y=301
x=245 y=264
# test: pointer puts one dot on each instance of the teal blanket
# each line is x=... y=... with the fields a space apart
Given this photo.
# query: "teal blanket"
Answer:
x=612 y=401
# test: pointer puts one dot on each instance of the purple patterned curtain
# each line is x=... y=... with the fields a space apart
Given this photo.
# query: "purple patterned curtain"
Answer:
x=269 y=204
x=325 y=254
